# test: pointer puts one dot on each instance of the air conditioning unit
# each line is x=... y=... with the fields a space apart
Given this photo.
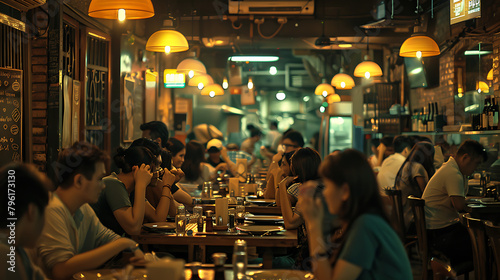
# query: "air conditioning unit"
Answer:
x=24 y=5
x=276 y=7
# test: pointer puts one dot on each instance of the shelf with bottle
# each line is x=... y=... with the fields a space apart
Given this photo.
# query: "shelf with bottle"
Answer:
x=487 y=120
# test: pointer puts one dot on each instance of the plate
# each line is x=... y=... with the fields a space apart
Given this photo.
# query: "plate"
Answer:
x=259 y=229
x=261 y=201
x=278 y=274
x=110 y=274
x=264 y=219
x=160 y=226
x=488 y=201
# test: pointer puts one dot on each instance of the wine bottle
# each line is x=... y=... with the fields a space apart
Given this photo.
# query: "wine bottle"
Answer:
x=495 y=110
x=484 y=115
x=430 y=118
x=424 y=121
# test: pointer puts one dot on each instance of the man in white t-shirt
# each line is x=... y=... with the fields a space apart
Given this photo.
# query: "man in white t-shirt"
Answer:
x=444 y=198
x=391 y=165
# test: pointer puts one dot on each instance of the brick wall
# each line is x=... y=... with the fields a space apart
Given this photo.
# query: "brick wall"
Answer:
x=39 y=100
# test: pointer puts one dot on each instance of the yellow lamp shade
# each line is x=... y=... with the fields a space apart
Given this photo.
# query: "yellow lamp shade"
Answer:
x=192 y=67
x=134 y=9
x=342 y=81
x=332 y=98
x=419 y=46
x=367 y=69
x=167 y=37
x=489 y=77
x=482 y=87
x=200 y=81
x=324 y=90
x=212 y=90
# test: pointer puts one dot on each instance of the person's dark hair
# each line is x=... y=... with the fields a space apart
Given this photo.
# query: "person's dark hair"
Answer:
x=29 y=185
x=166 y=159
x=80 y=158
x=287 y=157
x=304 y=164
x=423 y=153
x=473 y=148
x=195 y=155
x=134 y=156
x=158 y=129
x=175 y=146
x=274 y=124
x=250 y=126
x=255 y=132
x=352 y=168
x=149 y=144
x=387 y=141
x=295 y=137
x=400 y=143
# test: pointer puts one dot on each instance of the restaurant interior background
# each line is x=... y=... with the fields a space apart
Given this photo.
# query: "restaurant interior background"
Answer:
x=85 y=78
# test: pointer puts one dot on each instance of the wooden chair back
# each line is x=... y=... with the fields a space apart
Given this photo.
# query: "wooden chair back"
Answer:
x=477 y=233
x=397 y=214
x=417 y=206
x=493 y=233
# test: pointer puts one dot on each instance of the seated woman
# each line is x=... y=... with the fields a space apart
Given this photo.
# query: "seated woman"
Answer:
x=413 y=176
x=196 y=170
x=114 y=207
x=277 y=175
x=369 y=247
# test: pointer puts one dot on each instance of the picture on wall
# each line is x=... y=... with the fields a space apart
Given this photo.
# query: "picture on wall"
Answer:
x=132 y=109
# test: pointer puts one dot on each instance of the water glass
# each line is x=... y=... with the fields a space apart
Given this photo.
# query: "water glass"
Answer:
x=207 y=190
x=240 y=214
x=240 y=259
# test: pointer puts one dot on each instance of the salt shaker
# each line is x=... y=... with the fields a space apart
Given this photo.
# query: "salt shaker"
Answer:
x=209 y=224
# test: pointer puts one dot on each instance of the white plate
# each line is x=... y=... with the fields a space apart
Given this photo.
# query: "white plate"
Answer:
x=488 y=201
x=160 y=226
x=110 y=274
x=259 y=229
x=278 y=274
x=264 y=218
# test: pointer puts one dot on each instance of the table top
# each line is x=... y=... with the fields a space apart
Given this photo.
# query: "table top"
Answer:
x=254 y=209
x=286 y=238
x=483 y=209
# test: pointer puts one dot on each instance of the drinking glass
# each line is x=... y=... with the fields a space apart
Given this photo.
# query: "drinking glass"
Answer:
x=240 y=259
x=240 y=214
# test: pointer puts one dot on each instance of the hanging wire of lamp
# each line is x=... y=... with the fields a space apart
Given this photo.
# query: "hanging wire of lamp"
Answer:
x=201 y=81
x=332 y=98
x=342 y=80
x=324 y=89
x=212 y=90
x=121 y=9
x=192 y=67
x=367 y=68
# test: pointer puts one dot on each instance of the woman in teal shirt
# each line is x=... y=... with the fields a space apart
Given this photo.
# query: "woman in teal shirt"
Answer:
x=367 y=247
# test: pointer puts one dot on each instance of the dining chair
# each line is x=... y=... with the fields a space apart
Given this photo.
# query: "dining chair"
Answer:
x=417 y=206
x=397 y=216
x=493 y=233
x=477 y=233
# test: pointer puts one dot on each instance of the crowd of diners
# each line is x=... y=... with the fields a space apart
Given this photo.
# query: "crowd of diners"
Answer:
x=337 y=204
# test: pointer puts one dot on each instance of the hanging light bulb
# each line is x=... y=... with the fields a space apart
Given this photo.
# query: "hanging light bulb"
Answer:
x=419 y=46
x=167 y=49
x=225 y=84
x=191 y=74
x=342 y=80
x=324 y=90
x=250 y=83
x=192 y=67
x=367 y=69
x=201 y=81
x=273 y=70
x=119 y=9
x=212 y=90
x=159 y=40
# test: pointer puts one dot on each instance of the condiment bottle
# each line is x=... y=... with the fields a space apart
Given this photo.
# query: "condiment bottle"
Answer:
x=219 y=261
x=209 y=224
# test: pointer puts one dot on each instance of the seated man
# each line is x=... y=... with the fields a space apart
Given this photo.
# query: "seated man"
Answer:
x=444 y=197
x=24 y=190
x=73 y=238
x=391 y=165
x=156 y=131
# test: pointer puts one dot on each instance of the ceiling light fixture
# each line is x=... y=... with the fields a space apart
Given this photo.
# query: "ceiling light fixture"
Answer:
x=225 y=84
x=212 y=90
x=324 y=90
x=192 y=67
x=476 y=52
x=121 y=9
x=344 y=45
x=273 y=70
x=342 y=80
x=200 y=81
x=250 y=83
x=253 y=58
x=167 y=40
x=367 y=68
x=489 y=77
x=332 y=98
x=280 y=96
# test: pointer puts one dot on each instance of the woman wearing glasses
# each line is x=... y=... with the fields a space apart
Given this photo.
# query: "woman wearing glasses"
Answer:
x=139 y=164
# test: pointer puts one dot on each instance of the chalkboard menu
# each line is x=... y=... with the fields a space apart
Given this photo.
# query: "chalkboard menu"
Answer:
x=11 y=88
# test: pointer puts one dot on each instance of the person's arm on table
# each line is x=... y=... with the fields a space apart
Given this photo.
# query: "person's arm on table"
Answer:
x=91 y=259
x=131 y=218
x=160 y=213
x=292 y=220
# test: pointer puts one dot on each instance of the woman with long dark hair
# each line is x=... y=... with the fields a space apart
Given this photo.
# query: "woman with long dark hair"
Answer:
x=178 y=151
x=195 y=168
x=275 y=179
x=369 y=247
x=413 y=176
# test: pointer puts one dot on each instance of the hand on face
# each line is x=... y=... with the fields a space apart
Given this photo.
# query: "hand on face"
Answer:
x=142 y=175
x=169 y=178
x=311 y=207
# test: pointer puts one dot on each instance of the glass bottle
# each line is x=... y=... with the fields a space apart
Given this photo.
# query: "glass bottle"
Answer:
x=240 y=259
x=180 y=220
x=209 y=224
x=219 y=261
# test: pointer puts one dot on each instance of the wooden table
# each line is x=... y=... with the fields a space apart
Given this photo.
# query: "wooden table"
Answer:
x=254 y=209
x=484 y=211
x=270 y=243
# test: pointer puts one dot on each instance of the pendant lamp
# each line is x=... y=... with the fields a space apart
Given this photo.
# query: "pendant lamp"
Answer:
x=342 y=81
x=324 y=90
x=367 y=68
x=489 y=77
x=332 y=98
x=167 y=40
x=212 y=90
x=419 y=45
x=201 y=81
x=121 y=9
x=192 y=67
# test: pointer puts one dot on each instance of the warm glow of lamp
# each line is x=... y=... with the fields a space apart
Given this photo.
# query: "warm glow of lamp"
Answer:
x=250 y=83
x=225 y=84
x=192 y=67
x=489 y=77
x=121 y=9
x=200 y=81
x=367 y=69
x=324 y=90
x=212 y=90
x=482 y=87
x=419 y=46
x=332 y=98
x=167 y=39
x=342 y=81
